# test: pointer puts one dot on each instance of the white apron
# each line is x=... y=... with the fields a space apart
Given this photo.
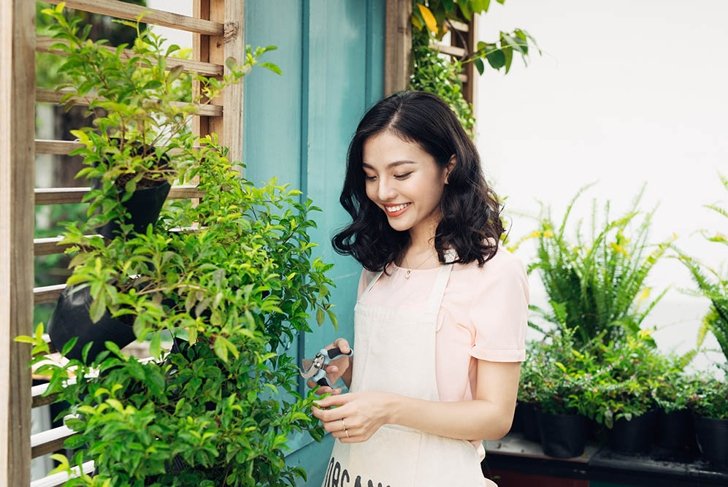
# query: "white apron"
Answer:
x=395 y=352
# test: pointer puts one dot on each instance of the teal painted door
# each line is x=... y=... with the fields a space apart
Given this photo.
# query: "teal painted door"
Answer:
x=298 y=126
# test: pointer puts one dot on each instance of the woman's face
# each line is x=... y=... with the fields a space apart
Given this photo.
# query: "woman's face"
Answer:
x=405 y=182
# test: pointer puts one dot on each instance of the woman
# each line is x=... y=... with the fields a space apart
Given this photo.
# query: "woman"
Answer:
x=441 y=316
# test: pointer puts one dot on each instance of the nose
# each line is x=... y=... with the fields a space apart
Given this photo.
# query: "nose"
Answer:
x=385 y=190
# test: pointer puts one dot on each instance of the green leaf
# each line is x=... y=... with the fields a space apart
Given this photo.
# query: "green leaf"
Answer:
x=496 y=59
x=272 y=67
x=155 y=347
x=97 y=308
x=221 y=349
x=481 y=6
x=479 y=65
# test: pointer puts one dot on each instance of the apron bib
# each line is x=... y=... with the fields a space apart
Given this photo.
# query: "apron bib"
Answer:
x=396 y=353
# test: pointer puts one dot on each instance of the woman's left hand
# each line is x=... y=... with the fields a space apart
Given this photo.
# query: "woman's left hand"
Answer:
x=356 y=416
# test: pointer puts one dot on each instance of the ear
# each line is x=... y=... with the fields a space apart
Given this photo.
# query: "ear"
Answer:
x=449 y=167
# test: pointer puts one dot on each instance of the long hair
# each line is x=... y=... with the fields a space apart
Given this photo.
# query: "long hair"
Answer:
x=470 y=222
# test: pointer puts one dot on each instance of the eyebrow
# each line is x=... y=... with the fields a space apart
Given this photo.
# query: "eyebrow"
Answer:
x=390 y=165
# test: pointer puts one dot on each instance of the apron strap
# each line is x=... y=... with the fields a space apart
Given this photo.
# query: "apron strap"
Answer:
x=438 y=290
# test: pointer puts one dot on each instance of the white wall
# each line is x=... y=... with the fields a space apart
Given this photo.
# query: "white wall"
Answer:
x=626 y=92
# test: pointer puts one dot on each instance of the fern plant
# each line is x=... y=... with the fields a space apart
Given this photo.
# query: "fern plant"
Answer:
x=596 y=284
x=713 y=284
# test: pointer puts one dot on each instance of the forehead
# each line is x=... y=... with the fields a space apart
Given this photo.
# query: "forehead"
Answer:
x=387 y=148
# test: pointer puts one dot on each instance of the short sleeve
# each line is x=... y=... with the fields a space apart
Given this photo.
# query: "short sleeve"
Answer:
x=499 y=312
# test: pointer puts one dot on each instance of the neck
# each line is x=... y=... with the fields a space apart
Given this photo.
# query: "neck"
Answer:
x=422 y=236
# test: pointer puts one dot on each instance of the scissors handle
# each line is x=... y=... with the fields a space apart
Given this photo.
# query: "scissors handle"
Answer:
x=336 y=351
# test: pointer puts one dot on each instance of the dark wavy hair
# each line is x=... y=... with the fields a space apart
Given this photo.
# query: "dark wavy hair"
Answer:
x=470 y=224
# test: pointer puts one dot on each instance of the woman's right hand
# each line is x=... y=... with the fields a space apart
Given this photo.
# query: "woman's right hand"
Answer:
x=339 y=368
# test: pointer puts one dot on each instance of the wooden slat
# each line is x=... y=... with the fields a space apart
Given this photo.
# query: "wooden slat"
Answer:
x=61 y=478
x=450 y=50
x=48 y=246
x=460 y=26
x=398 y=46
x=57 y=147
x=17 y=175
x=122 y=10
x=38 y=398
x=53 y=96
x=207 y=69
x=230 y=125
x=65 y=147
x=55 y=196
x=47 y=294
x=49 y=441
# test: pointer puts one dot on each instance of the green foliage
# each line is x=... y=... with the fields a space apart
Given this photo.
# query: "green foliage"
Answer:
x=435 y=74
x=438 y=74
x=596 y=286
x=625 y=385
x=230 y=278
x=143 y=110
x=713 y=284
x=604 y=382
x=709 y=395
x=674 y=387
x=560 y=378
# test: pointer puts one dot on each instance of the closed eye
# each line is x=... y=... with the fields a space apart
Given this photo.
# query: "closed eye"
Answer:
x=403 y=176
x=369 y=178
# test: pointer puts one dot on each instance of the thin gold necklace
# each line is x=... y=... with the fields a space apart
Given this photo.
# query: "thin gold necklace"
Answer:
x=408 y=272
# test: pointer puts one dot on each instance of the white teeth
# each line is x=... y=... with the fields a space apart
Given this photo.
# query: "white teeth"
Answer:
x=395 y=209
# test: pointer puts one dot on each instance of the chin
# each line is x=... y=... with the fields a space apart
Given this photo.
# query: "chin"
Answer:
x=399 y=226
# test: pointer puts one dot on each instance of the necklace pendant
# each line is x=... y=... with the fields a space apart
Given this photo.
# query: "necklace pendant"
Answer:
x=407 y=273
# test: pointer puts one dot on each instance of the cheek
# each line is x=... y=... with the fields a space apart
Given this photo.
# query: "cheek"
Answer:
x=371 y=190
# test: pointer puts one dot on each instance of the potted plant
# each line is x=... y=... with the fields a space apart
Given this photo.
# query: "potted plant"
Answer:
x=232 y=281
x=530 y=382
x=140 y=142
x=672 y=394
x=710 y=404
x=565 y=396
x=626 y=384
x=596 y=283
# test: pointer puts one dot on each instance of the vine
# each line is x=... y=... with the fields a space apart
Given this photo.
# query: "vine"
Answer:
x=435 y=73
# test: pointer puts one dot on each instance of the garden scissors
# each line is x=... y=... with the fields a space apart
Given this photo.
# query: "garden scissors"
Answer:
x=315 y=369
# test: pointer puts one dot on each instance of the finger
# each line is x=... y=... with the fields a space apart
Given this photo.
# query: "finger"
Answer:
x=343 y=345
x=335 y=400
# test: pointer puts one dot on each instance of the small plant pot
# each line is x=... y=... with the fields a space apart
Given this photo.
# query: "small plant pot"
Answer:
x=712 y=436
x=562 y=435
x=143 y=207
x=675 y=431
x=633 y=437
x=71 y=319
x=517 y=424
x=529 y=421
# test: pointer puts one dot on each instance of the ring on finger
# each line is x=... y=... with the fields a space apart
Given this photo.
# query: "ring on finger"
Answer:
x=343 y=424
x=347 y=432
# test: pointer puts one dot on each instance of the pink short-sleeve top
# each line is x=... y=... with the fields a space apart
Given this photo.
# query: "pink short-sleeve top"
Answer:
x=483 y=315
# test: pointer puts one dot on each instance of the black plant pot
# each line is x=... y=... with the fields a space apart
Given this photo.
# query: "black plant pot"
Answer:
x=529 y=421
x=635 y=436
x=712 y=435
x=517 y=425
x=71 y=319
x=143 y=207
x=675 y=431
x=562 y=435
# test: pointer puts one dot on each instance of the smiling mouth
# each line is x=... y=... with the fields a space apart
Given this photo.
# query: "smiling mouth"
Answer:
x=395 y=210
